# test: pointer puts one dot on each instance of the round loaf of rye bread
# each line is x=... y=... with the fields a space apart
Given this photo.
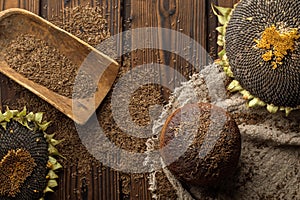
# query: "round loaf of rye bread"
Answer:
x=210 y=138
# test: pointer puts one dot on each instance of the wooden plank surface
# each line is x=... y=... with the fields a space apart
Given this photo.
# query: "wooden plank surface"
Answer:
x=31 y=5
x=139 y=187
x=180 y=16
x=101 y=184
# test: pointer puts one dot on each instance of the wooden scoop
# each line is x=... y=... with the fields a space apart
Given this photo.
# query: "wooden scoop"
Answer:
x=15 y=21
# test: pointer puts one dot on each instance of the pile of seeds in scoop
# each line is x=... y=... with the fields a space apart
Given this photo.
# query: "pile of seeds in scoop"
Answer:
x=45 y=65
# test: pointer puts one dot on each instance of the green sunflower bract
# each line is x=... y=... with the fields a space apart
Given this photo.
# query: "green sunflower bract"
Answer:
x=27 y=163
x=261 y=51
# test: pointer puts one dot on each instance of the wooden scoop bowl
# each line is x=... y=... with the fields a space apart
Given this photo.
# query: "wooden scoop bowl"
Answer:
x=15 y=21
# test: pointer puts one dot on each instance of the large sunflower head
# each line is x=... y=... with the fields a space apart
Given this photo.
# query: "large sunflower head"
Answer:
x=26 y=163
x=262 y=51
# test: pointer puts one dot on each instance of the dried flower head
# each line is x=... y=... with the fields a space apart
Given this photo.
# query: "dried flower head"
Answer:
x=25 y=153
x=261 y=52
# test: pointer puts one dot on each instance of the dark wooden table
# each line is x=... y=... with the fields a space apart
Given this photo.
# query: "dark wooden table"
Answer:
x=191 y=17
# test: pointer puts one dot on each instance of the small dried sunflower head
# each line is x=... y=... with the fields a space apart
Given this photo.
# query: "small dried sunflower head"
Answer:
x=25 y=155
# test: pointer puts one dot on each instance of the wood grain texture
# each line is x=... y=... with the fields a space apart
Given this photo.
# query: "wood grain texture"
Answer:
x=139 y=188
x=100 y=184
x=30 y=5
x=181 y=17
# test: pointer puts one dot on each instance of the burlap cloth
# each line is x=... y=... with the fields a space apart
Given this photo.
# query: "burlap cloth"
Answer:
x=270 y=157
